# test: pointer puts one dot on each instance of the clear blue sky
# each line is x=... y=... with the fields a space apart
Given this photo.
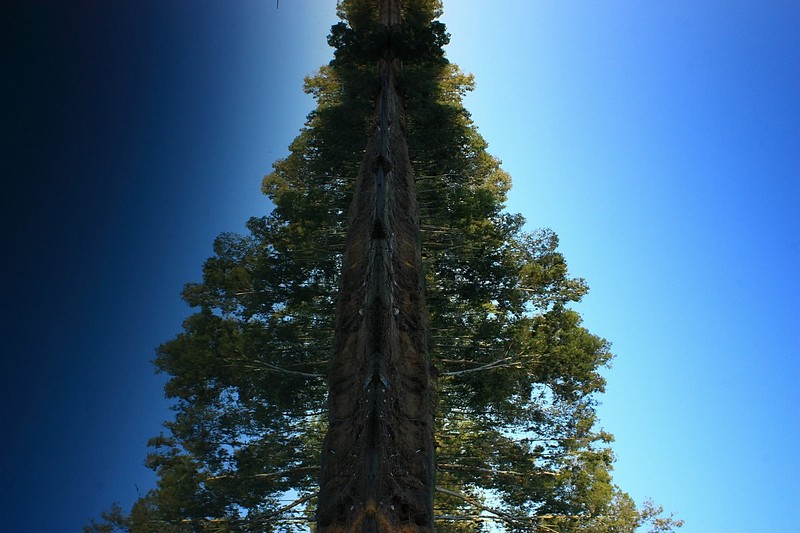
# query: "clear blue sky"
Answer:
x=660 y=140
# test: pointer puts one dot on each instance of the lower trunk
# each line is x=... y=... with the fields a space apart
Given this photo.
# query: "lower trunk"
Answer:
x=377 y=463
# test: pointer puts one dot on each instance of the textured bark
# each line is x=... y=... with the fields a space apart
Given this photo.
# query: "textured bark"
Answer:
x=378 y=462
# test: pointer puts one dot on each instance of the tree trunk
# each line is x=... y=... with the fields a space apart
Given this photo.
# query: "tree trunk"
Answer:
x=378 y=454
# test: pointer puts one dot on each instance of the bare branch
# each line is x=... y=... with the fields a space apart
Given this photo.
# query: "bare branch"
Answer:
x=493 y=364
x=497 y=512
x=487 y=366
x=453 y=466
x=266 y=475
x=262 y=365
x=295 y=503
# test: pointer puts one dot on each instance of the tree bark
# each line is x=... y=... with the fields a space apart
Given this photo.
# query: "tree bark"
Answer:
x=378 y=455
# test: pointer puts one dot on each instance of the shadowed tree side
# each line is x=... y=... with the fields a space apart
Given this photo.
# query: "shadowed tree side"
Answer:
x=377 y=458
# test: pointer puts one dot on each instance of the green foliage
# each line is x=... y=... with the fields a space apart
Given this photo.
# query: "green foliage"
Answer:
x=518 y=445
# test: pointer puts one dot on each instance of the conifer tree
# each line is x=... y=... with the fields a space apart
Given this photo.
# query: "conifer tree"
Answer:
x=460 y=386
x=377 y=458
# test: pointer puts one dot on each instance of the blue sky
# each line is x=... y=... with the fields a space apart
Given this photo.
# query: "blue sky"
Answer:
x=660 y=140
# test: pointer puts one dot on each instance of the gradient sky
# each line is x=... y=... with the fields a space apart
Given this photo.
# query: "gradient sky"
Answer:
x=660 y=140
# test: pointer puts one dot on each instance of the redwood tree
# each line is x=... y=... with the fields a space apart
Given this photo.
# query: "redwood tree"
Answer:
x=378 y=455
x=454 y=363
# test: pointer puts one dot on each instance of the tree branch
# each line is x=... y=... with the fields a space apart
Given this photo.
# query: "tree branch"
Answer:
x=295 y=503
x=453 y=466
x=489 y=366
x=497 y=512
x=261 y=365
x=265 y=475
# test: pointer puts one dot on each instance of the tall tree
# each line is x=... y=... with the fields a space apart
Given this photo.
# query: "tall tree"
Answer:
x=513 y=443
x=377 y=458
